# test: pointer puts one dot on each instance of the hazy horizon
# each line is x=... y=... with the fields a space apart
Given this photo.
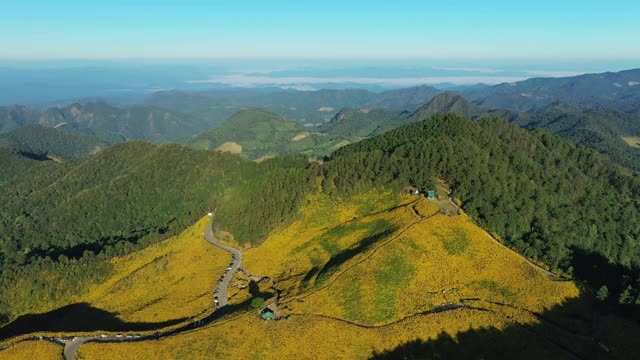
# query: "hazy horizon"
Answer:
x=39 y=83
x=69 y=49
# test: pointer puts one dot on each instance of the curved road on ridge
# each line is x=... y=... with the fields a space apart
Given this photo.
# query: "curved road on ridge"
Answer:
x=72 y=345
x=237 y=256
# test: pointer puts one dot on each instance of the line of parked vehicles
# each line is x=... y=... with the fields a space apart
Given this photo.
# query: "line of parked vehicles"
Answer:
x=216 y=301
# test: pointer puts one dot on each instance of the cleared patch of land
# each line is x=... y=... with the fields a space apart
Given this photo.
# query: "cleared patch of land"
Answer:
x=633 y=141
x=300 y=136
x=230 y=147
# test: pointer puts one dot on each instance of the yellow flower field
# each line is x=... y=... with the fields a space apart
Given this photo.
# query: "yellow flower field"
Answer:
x=358 y=276
x=31 y=350
x=168 y=280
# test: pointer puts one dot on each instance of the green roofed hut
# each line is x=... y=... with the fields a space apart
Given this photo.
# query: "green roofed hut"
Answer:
x=431 y=194
x=267 y=314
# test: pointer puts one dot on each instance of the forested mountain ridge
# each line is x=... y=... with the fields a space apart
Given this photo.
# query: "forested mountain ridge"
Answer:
x=132 y=122
x=546 y=197
x=12 y=117
x=257 y=133
x=71 y=215
x=600 y=129
x=254 y=133
x=614 y=90
x=356 y=124
x=305 y=106
x=267 y=134
x=38 y=140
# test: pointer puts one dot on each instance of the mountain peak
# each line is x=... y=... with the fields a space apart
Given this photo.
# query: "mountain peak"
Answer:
x=446 y=102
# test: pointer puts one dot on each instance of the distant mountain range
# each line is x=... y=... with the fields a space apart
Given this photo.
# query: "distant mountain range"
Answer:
x=614 y=90
x=257 y=133
x=133 y=122
x=45 y=142
x=605 y=130
x=313 y=107
x=597 y=110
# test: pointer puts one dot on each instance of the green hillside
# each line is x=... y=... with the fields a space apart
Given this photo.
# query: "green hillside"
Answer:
x=67 y=216
x=601 y=129
x=109 y=122
x=12 y=117
x=356 y=124
x=38 y=140
x=315 y=107
x=253 y=133
x=134 y=122
x=551 y=200
x=259 y=134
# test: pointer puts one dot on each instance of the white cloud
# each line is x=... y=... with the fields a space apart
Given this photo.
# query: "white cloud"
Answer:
x=553 y=73
x=469 y=69
x=243 y=80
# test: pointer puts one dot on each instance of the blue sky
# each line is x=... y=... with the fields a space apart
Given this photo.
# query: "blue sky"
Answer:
x=344 y=29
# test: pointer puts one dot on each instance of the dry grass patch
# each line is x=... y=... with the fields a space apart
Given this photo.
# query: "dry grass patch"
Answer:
x=633 y=141
x=230 y=147
x=300 y=136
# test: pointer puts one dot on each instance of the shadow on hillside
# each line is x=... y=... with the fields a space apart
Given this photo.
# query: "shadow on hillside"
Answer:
x=561 y=333
x=76 y=318
x=345 y=255
x=255 y=291
x=95 y=247
x=579 y=328
x=216 y=315
x=595 y=270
